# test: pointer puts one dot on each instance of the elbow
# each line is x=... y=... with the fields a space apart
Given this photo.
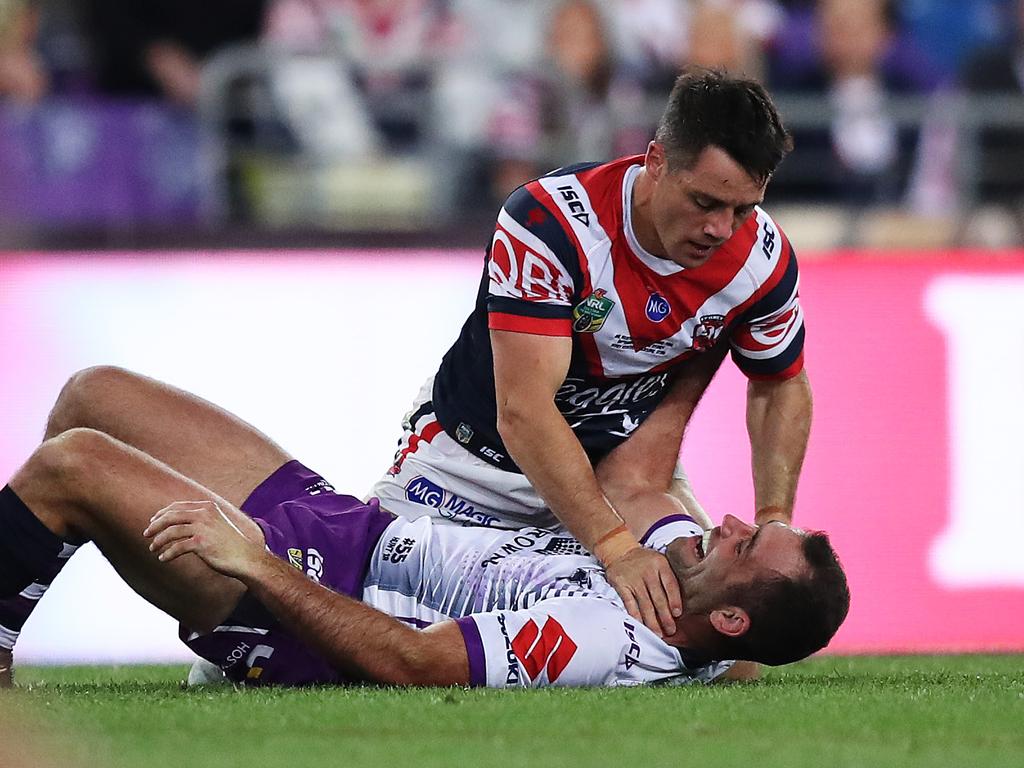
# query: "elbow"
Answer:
x=514 y=421
x=414 y=666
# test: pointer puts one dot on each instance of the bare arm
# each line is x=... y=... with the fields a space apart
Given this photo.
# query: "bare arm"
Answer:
x=639 y=475
x=528 y=370
x=779 y=424
x=360 y=640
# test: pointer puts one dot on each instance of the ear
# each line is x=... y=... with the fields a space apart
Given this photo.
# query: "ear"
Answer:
x=654 y=160
x=730 y=621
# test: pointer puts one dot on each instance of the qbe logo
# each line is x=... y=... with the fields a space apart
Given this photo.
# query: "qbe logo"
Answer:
x=657 y=308
x=423 y=491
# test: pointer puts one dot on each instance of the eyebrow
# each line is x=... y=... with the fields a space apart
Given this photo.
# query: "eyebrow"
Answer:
x=753 y=539
x=716 y=202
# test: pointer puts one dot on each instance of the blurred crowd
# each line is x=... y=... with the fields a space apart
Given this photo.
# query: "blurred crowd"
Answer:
x=503 y=90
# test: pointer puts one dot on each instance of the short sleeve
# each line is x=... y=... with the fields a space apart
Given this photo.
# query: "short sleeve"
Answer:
x=569 y=642
x=530 y=270
x=768 y=341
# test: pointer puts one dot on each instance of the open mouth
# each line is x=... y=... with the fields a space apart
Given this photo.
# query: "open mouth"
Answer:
x=699 y=544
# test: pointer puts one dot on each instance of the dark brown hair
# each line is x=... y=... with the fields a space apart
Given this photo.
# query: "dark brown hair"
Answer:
x=791 y=618
x=710 y=108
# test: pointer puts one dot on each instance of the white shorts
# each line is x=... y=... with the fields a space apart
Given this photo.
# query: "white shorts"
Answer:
x=435 y=476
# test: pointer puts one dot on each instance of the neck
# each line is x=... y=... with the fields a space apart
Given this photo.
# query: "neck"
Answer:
x=642 y=217
x=693 y=633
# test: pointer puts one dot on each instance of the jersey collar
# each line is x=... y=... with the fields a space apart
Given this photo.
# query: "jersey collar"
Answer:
x=658 y=265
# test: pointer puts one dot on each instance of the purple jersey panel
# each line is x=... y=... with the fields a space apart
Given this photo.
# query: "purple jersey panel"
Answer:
x=327 y=536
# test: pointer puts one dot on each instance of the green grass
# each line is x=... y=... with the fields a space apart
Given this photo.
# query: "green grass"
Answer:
x=833 y=711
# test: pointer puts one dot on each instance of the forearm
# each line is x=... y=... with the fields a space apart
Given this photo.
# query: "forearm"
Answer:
x=356 y=638
x=779 y=424
x=545 y=448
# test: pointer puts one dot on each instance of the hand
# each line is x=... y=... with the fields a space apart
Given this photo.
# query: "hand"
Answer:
x=201 y=528
x=648 y=588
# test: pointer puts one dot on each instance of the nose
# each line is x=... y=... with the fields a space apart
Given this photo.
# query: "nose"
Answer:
x=719 y=224
x=733 y=526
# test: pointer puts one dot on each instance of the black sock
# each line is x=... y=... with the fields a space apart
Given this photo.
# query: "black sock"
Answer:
x=27 y=547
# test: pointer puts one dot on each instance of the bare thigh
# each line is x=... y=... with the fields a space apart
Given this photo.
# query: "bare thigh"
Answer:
x=87 y=486
x=198 y=439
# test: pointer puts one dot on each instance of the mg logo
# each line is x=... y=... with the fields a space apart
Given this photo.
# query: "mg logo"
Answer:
x=657 y=308
x=423 y=491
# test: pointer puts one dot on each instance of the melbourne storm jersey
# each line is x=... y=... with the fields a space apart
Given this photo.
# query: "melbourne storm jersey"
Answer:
x=564 y=261
x=534 y=608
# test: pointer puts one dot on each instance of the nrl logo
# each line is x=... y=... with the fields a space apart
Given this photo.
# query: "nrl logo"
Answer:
x=589 y=315
x=708 y=329
x=464 y=433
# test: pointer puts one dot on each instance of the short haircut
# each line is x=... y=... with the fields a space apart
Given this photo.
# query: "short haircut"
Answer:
x=791 y=618
x=710 y=108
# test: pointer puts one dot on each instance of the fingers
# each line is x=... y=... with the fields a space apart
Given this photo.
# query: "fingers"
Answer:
x=171 y=534
x=649 y=613
x=662 y=613
x=670 y=585
x=176 y=549
x=629 y=603
x=649 y=590
x=177 y=513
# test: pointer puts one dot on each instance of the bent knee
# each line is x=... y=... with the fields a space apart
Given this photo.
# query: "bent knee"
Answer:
x=76 y=455
x=85 y=392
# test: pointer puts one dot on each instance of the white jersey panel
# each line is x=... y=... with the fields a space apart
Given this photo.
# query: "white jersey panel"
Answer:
x=536 y=605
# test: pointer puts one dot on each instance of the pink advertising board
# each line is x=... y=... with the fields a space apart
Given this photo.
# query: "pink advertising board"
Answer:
x=917 y=362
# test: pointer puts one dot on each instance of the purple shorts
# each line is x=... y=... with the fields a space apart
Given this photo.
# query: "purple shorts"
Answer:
x=329 y=537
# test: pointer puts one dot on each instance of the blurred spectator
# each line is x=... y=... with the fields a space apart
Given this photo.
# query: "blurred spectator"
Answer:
x=999 y=71
x=731 y=34
x=489 y=95
x=157 y=47
x=651 y=40
x=23 y=77
x=950 y=30
x=855 y=55
x=382 y=55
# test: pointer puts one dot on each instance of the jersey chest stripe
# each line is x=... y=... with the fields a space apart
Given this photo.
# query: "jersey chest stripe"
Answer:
x=586 y=341
x=778 y=273
x=579 y=212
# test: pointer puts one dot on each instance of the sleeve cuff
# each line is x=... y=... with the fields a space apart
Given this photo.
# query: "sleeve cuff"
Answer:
x=668 y=529
x=474 y=650
x=538 y=326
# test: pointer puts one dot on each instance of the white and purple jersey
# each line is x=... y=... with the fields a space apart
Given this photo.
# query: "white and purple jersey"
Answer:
x=534 y=607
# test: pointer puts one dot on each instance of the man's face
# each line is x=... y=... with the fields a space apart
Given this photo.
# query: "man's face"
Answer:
x=694 y=210
x=737 y=553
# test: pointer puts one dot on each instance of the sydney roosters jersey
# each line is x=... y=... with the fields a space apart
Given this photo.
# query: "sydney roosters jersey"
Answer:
x=534 y=608
x=564 y=261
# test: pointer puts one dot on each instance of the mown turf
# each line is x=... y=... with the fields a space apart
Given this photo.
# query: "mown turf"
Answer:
x=901 y=711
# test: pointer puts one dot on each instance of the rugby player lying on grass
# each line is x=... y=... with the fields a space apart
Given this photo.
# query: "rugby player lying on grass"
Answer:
x=298 y=588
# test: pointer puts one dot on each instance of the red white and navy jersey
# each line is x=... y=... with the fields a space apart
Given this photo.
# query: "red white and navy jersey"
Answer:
x=564 y=261
x=533 y=606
